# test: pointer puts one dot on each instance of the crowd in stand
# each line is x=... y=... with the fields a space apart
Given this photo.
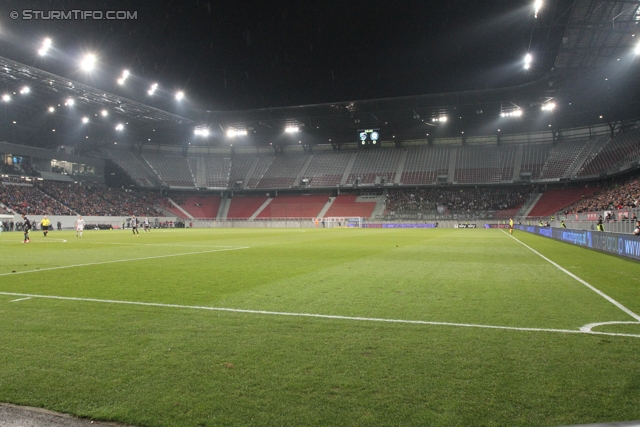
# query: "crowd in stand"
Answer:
x=617 y=195
x=134 y=202
x=30 y=200
x=57 y=198
x=460 y=200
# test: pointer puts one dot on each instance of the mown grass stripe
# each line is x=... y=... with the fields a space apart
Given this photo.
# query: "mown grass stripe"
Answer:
x=588 y=285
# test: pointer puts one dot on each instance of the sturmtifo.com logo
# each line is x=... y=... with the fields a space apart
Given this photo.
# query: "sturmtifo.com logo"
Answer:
x=75 y=14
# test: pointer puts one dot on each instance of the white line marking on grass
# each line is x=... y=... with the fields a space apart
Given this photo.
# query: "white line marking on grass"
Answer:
x=20 y=299
x=587 y=328
x=157 y=244
x=123 y=260
x=594 y=289
x=318 y=316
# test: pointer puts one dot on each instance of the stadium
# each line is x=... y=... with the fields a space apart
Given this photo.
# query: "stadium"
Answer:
x=257 y=236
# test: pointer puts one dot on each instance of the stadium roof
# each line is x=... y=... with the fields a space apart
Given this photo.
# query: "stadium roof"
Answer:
x=583 y=63
x=57 y=88
x=598 y=32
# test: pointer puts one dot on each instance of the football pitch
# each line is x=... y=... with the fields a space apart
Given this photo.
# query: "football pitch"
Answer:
x=326 y=327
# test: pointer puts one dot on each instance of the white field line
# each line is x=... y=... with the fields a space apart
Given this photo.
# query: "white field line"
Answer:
x=123 y=260
x=161 y=244
x=564 y=270
x=587 y=328
x=20 y=299
x=320 y=316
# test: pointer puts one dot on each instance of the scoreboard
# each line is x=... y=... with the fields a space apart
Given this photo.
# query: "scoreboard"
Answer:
x=369 y=138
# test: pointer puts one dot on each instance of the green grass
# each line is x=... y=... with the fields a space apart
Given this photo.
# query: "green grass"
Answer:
x=171 y=366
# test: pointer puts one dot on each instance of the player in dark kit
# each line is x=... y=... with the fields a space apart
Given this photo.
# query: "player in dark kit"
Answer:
x=134 y=225
x=26 y=227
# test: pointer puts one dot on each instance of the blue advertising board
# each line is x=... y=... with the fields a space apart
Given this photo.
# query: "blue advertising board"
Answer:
x=624 y=245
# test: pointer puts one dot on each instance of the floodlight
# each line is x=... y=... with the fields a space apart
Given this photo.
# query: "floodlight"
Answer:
x=527 y=61
x=152 y=89
x=25 y=90
x=537 y=6
x=120 y=126
x=550 y=106
x=69 y=102
x=201 y=131
x=179 y=95
x=233 y=132
x=292 y=129
x=104 y=113
x=512 y=112
x=46 y=44
x=85 y=120
x=51 y=109
x=637 y=49
x=123 y=78
x=88 y=62
x=6 y=97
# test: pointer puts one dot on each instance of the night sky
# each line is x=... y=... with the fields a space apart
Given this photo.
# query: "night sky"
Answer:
x=237 y=55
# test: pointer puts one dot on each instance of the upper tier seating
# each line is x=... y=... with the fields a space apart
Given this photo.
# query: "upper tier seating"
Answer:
x=371 y=164
x=561 y=158
x=485 y=164
x=424 y=164
x=282 y=172
x=173 y=171
x=533 y=159
x=135 y=167
x=418 y=165
x=240 y=166
x=326 y=170
x=261 y=168
x=615 y=152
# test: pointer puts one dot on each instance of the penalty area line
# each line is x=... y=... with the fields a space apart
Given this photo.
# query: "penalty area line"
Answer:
x=319 y=316
x=123 y=260
x=588 y=285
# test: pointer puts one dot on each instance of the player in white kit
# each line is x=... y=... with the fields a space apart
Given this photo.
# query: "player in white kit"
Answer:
x=79 y=226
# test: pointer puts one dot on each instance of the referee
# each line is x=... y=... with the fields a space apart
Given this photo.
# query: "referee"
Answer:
x=45 y=224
